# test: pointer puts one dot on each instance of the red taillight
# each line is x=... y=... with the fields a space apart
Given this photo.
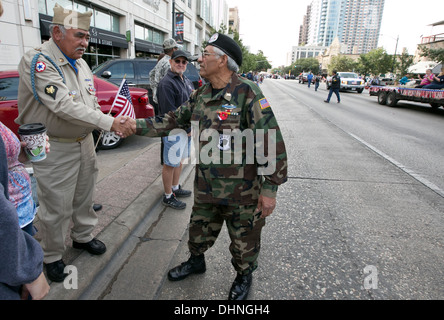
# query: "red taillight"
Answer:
x=144 y=99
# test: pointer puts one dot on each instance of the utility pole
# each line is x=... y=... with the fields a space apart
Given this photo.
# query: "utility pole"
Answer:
x=394 y=57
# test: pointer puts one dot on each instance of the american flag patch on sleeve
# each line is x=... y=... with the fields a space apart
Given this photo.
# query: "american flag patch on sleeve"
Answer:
x=264 y=103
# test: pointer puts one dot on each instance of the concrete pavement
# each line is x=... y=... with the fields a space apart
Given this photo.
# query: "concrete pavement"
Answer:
x=128 y=196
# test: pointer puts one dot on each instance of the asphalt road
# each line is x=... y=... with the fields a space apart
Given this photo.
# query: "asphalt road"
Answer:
x=360 y=217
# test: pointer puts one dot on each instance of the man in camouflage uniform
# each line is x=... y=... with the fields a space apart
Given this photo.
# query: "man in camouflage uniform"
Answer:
x=238 y=191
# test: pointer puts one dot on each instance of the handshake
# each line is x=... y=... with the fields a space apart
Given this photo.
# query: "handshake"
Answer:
x=124 y=126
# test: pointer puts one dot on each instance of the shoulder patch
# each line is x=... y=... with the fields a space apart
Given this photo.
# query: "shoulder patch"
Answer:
x=51 y=91
x=264 y=103
x=40 y=66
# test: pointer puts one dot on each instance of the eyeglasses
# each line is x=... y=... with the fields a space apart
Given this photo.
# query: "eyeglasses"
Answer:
x=206 y=54
x=178 y=61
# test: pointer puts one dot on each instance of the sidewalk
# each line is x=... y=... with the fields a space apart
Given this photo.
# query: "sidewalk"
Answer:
x=127 y=196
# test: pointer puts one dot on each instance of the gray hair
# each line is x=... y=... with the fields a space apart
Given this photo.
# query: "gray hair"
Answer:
x=62 y=29
x=231 y=64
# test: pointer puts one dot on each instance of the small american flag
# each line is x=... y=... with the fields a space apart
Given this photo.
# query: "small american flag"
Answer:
x=123 y=101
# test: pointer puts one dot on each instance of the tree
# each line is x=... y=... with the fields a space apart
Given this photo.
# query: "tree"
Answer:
x=436 y=55
x=341 y=63
x=375 y=62
x=405 y=62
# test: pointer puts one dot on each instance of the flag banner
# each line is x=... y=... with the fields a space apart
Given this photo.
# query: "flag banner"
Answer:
x=179 y=27
x=123 y=103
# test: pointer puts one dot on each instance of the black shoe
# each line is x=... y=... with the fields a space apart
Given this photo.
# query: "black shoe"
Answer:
x=97 y=207
x=95 y=246
x=173 y=202
x=54 y=271
x=195 y=264
x=326 y=101
x=182 y=193
x=240 y=288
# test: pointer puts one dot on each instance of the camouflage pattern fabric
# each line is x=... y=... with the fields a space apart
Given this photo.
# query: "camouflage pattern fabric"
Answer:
x=157 y=74
x=244 y=227
x=239 y=106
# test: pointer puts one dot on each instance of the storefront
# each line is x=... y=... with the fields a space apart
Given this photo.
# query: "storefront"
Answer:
x=103 y=44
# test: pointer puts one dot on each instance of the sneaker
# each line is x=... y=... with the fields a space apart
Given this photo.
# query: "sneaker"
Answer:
x=173 y=202
x=182 y=193
x=326 y=101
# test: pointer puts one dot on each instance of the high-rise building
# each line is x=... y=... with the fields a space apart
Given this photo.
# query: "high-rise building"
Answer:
x=233 y=19
x=356 y=23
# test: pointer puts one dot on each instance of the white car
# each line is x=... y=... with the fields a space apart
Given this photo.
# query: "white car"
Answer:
x=349 y=81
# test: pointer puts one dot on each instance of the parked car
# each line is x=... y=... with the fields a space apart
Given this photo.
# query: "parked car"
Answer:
x=303 y=78
x=105 y=92
x=136 y=71
x=349 y=81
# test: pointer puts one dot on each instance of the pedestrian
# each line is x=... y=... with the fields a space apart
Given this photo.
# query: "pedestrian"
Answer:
x=228 y=187
x=173 y=90
x=335 y=86
x=317 y=81
x=161 y=69
x=309 y=78
x=21 y=257
x=56 y=88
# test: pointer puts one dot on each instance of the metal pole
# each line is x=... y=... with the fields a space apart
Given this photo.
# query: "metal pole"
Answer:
x=394 y=57
x=173 y=19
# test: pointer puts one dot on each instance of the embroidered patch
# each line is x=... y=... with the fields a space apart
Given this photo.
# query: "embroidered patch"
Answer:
x=264 y=103
x=40 y=66
x=224 y=142
x=51 y=91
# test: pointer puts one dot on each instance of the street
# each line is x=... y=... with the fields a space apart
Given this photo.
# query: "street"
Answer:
x=360 y=217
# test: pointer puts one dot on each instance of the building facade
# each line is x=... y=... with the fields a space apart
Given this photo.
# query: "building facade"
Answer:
x=355 y=22
x=119 y=28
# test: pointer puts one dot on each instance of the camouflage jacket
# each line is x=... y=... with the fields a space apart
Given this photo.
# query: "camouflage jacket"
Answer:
x=157 y=74
x=239 y=150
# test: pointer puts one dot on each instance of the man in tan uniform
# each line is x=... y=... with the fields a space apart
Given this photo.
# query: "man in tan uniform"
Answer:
x=57 y=89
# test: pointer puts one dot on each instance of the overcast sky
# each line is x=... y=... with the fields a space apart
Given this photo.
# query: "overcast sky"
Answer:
x=273 y=26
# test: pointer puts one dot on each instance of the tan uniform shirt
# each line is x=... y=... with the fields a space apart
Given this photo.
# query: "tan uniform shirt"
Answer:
x=68 y=110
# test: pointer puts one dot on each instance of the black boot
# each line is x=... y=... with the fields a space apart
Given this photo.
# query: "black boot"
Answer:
x=195 y=264
x=241 y=286
x=54 y=271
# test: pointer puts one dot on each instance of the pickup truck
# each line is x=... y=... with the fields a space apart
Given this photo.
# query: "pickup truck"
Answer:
x=349 y=81
x=391 y=95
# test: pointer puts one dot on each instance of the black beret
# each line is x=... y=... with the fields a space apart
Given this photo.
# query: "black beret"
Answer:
x=227 y=45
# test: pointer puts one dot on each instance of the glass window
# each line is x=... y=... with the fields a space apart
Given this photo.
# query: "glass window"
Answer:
x=9 y=88
x=80 y=8
x=157 y=37
x=149 y=34
x=67 y=4
x=145 y=67
x=102 y=20
x=115 y=24
x=122 y=68
x=139 y=32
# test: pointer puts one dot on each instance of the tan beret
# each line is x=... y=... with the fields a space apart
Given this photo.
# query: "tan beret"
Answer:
x=71 y=19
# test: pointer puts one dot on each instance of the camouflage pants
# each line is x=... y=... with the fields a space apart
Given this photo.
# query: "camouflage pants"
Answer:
x=244 y=228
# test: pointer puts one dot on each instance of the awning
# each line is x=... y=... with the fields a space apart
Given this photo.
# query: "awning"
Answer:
x=422 y=66
x=98 y=36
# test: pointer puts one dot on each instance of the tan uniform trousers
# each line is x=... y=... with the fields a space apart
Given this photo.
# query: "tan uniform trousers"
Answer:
x=66 y=182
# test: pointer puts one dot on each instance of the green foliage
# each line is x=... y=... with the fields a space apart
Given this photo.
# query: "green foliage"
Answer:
x=436 y=55
x=342 y=63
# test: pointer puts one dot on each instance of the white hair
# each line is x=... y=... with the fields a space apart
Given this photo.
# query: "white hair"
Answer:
x=62 y=29
x=231 y=64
